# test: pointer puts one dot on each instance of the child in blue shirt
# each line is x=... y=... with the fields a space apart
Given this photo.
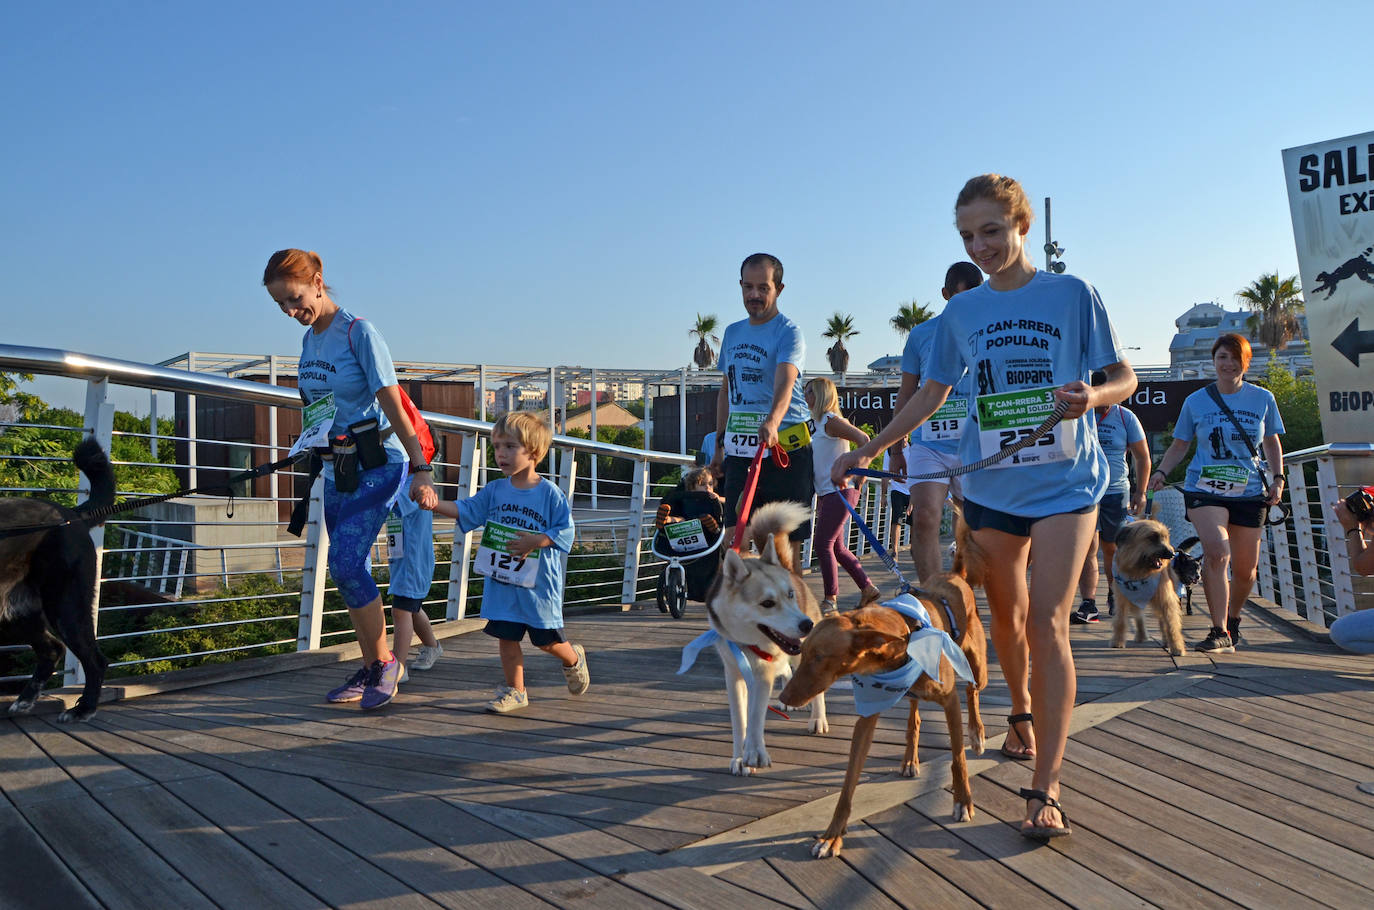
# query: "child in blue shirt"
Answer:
x=527 y=523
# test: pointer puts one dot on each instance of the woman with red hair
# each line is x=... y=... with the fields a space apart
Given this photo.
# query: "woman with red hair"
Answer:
x=1225 y=491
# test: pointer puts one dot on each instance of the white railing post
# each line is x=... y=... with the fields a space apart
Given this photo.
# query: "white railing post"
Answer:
x=1307 y=548
x=460 y=555
x=567 y=478
x=99 y=419
x=314 y=572
x=1337 y=554
x=594 y=439
x=634 y=531
x=682 y=413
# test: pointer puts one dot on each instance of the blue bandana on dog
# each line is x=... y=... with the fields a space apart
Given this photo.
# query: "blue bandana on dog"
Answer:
x=693 y=649
x=876 y=693
x=1139 y=591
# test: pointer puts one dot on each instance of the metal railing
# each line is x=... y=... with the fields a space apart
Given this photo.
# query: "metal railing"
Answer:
x=245 y=587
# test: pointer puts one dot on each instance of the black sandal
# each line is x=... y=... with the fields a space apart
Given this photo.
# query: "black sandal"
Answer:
x=1036 y=832
x=1026 y=754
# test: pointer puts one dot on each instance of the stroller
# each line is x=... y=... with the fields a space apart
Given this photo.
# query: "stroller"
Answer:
x=691 y=548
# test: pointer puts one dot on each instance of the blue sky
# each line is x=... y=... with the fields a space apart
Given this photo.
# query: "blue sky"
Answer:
x=533 y=183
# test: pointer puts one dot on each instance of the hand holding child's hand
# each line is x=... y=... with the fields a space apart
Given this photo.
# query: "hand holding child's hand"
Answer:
x=522 y=546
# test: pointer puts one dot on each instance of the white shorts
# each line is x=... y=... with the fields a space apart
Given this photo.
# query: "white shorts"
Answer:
x=922 y=460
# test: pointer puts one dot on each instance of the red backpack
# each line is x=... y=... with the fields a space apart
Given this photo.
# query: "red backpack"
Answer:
x=413 y=413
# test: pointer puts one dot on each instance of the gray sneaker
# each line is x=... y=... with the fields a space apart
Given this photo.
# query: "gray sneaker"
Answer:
x=383 y=682
x=507 y=700
x=577 y=676
x=426 y=656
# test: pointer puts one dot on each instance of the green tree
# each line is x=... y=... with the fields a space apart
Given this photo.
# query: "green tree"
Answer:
x=1274 y=307
x=839 y=327
x=910 y=315
x=1297 y=400
x=705 y=332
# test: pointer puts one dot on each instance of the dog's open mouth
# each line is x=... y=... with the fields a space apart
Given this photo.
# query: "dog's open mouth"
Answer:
x=789 y=645
x=1157 y=563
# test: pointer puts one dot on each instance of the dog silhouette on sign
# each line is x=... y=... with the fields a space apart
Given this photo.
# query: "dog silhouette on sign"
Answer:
x=1359 y=267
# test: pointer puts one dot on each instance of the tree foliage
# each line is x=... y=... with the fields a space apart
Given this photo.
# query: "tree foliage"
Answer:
x=1274 y=307
x=910 y=315
x=840 y=327
x=1297 y=400
x=705 y=333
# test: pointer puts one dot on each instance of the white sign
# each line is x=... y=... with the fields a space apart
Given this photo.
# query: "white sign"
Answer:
x=1331 y=198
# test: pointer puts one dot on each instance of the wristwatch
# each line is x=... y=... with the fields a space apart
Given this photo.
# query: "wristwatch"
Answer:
x=417 y=468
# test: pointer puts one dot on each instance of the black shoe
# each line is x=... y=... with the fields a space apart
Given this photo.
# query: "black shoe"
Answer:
x=1216 y=642
x=1234 y=632
x=1086 y=613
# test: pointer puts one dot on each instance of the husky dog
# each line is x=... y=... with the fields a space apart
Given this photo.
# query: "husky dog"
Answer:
x=763 y=608
x=1142 y=575
x=47 y=583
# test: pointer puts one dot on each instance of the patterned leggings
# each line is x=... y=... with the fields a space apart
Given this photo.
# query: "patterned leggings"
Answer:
x=353 y=520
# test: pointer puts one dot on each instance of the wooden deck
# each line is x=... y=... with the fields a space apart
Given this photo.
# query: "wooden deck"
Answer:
x=1191 y=782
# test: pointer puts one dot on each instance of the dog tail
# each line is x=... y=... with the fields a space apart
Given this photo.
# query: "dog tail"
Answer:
x=970 y=560
x=777 y=520
x=91 y=460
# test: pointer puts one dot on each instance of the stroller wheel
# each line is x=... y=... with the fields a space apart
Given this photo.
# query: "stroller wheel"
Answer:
x=675 y=593
x=662 y=594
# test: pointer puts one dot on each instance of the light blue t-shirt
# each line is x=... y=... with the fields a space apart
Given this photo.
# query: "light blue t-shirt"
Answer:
x=749 y=357
x=1116 y=431
x=1052 y=331
x=1219 y=445
x=942 y=433
x=354 y=376
x=542 y=509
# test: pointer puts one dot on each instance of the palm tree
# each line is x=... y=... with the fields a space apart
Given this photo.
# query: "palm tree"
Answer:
x=1275 y=306
x=705 y=332
x=839 y=327
x=909 y=315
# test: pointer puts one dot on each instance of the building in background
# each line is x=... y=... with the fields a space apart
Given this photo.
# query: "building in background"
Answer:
x=1199 y=327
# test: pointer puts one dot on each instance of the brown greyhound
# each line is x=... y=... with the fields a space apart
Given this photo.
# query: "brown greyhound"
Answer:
x=873 y=640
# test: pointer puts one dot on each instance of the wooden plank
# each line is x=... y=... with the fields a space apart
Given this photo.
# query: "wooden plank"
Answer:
x=829 y=885
x=93 y=771
x=32 y=875
x=207 y=857
x=332 y=873
x=27 y=775
x=1303 y=721
x=150 y=763
x=902 y=877
x=351 y=822
x=762 y=879
x=117 y=867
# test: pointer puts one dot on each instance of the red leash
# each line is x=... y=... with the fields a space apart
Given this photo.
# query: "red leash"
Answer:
x=750 y=485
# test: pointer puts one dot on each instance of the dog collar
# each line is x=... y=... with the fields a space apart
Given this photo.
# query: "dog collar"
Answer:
x=760 y=652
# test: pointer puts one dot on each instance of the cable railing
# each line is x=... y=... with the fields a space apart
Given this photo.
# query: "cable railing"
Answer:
x=208 y=578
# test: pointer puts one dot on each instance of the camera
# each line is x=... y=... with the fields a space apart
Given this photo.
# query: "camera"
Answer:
x=1361 y=504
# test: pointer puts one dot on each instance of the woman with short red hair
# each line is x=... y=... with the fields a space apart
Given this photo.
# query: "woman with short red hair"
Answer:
x=1226 y=492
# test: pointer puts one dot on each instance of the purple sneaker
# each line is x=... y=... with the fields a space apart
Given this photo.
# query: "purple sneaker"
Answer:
x=383 y=682
x=349 y=691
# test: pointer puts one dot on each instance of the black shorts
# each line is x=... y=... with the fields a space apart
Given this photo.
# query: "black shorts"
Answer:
x=899 y=499
x=1111 y=515
x=506 y=630
x=980 y=517
x=794 y=483
x=1243 y=513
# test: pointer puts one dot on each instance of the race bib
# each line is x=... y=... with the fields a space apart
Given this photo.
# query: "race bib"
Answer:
x=685 y=536
x=1008 y=417
x=946 y=423
x=316 y=420
x=395 y=539
x=495 y=561
x=1224 y=479
x=742 y=435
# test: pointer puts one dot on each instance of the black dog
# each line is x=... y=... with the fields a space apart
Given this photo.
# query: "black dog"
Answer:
x=1188 y=570
x=47 y=583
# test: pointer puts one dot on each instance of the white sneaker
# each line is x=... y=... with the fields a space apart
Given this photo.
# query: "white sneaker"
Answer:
x=426 y=656
x=578 y=677
x=507 y=700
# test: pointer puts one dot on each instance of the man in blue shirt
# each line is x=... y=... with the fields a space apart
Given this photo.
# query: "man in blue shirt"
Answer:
x=761 y=400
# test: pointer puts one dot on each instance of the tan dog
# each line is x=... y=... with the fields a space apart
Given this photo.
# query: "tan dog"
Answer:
x=872 y=640
x=766 y=609
x=1142 y=574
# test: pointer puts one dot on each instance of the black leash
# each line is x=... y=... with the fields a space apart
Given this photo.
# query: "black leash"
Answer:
x=95 y=516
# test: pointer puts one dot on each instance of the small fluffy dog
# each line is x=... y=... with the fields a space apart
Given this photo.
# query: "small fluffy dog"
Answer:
x=765 y=608
x=1143 y=575
x=873 y=640
x=47 y=583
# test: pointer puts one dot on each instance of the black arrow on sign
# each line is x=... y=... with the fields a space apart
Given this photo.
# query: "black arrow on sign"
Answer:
x=1352 y=342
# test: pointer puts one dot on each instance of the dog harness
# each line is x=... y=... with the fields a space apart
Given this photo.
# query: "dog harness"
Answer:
x=925 y=644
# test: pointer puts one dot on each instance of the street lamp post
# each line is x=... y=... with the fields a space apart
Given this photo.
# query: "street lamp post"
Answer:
x=1052 y=249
